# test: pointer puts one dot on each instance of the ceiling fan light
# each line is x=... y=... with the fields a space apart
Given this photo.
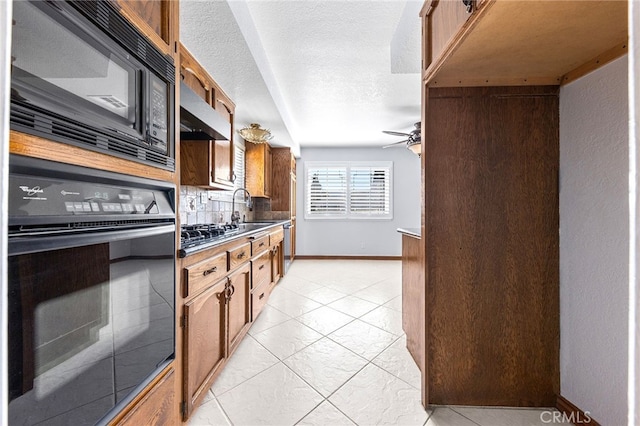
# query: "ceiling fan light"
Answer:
x=255 y=134
x=415 y=147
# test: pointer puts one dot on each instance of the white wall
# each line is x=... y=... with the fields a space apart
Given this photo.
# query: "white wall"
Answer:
x=348 y=237
x=594 y=238
x=634 y=215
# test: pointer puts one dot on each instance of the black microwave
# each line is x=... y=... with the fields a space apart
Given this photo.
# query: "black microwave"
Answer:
x=82 y=74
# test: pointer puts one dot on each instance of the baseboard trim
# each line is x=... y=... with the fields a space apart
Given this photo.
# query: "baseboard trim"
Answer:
x=305 y=257
x=573 y=413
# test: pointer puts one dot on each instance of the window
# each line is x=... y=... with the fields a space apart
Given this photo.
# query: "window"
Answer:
x=238 y=166
x=348 y=190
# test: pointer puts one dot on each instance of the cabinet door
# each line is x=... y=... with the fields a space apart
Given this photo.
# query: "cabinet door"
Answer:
x=277 y=263
x=267 y=170
x=155 y=19
x=222 y=163
x=195 y=167
x=223 y=150
x=204 y=342
x=239 y=305
x=258 y=169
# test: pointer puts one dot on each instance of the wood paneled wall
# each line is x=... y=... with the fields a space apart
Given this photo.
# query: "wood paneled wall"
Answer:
x=491 y=185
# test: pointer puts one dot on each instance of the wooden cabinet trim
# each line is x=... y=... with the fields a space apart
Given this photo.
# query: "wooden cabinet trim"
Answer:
x=34 y=146
x=156 y=406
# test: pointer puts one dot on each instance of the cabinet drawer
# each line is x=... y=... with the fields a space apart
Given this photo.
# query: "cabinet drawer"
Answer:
x=259 y=245
x=259 y=298
x=276 y=236
x=239 y=255
x=203 y=274
x=261 y=269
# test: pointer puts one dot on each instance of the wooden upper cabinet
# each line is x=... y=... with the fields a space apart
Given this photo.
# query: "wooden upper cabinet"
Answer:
x=441 y=21
x=195 y=76
x=206 y=163
x=157 y=19
x=511 y=43
x=258 y=169
x=283 y=181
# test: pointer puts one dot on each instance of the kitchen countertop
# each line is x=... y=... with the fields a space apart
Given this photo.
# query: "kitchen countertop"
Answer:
x=412 y=232
x=246 y=229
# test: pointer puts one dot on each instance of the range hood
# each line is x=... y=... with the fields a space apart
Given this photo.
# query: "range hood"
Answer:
x=198 y=120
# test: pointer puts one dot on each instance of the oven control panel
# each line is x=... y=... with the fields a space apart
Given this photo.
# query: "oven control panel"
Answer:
x=32 y=196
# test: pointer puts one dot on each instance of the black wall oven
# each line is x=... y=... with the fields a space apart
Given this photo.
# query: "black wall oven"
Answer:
x=82 y=74
x=91 y=290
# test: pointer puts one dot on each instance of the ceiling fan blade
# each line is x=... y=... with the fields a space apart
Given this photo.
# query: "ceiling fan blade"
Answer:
x=389 y=132
x=395 y=144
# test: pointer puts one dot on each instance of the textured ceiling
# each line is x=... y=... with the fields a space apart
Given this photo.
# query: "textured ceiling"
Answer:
x=315 y=72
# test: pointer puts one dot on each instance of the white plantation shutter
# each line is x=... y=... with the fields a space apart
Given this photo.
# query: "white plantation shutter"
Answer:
x=238 y=166
x=348 y=190
x=370 y=191
x=326 y=191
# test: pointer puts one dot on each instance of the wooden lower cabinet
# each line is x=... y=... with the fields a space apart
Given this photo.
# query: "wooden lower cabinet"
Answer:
x=277 y=263
x=413 y=296
x=224 y=289
x=239 y=305
x=204 y=349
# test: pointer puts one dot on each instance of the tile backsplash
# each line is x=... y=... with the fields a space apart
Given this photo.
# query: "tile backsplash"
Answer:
x=199 y=205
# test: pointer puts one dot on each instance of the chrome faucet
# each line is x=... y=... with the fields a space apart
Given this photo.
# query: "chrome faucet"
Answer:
x=235 y=216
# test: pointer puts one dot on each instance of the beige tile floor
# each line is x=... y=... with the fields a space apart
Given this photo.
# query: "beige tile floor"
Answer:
x=328 y=349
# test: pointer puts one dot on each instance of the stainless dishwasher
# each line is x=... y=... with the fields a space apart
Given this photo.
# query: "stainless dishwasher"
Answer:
x=287 y=245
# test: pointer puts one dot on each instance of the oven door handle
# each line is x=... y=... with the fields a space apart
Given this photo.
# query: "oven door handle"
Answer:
x=33 y=244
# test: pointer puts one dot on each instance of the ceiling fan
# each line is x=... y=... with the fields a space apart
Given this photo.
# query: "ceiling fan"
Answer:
x=412 y=142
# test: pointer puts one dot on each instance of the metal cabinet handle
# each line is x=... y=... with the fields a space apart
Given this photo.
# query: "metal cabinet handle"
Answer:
x=261 y=268
x=241 y=255
x=261 y=296
x=261 y=244
x=229 y=289
x=468 y=4
x=210 y=271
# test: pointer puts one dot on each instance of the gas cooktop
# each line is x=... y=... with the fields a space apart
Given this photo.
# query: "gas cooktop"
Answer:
x=196 y=235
